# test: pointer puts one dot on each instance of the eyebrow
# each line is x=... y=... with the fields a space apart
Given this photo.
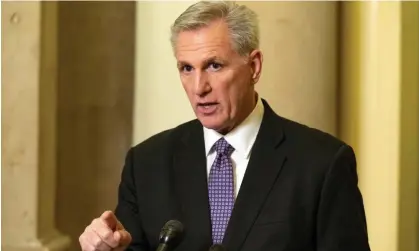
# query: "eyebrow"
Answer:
x=206 y=61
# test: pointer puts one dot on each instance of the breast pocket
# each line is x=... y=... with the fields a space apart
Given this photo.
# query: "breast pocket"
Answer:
x=272 y=214
x=268 y=235
x=268 y=221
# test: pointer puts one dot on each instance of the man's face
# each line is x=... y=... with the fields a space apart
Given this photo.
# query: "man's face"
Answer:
x=218 y=81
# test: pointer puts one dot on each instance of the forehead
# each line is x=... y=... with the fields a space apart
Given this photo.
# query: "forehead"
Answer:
x=210 y=41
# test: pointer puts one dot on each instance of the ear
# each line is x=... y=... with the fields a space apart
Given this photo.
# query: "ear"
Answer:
x=255 y=61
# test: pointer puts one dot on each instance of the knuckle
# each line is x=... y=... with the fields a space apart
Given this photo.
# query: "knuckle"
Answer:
x=83 y=240
x=107 y=234
x=84 y=245
x=90 y=248
x=97 y=242
x=86 y=248
x=94 y=221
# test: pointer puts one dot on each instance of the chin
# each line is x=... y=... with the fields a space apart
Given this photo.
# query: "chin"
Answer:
x=214 y=125
x=210 y=123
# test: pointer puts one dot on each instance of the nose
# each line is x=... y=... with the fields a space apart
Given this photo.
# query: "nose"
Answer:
x=202 y=85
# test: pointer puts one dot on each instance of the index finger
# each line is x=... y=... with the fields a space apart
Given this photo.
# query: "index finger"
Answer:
x=109 y=218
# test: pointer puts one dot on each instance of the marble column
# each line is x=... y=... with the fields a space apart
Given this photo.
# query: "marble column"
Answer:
x=28 y=127
x=95 y=91
x=380 y=115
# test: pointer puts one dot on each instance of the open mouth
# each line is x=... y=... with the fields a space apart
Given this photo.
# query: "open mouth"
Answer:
x=207 y=108
x=207 y=105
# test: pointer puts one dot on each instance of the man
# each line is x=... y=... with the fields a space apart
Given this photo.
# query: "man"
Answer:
x=239 y=174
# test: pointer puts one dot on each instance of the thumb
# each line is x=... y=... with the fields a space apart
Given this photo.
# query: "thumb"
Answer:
x=109 y=218
x=122 y=237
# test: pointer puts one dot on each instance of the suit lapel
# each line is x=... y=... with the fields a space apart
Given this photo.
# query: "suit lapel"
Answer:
x=191 y=187
x=262 y=171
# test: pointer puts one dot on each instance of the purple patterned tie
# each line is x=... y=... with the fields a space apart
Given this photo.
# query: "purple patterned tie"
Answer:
x=221 y=189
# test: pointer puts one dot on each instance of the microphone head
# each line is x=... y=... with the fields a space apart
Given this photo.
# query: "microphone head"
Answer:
x=217 y=247
x=171 y=233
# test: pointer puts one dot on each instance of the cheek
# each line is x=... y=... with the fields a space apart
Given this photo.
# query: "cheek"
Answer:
x=237 y=95
x=222 y=84
x=186 y=85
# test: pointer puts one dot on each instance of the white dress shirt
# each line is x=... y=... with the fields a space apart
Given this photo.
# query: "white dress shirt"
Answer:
x=241 y=138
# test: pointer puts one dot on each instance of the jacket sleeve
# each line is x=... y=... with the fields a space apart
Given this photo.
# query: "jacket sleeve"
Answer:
x=127 y=209
x=341 y=222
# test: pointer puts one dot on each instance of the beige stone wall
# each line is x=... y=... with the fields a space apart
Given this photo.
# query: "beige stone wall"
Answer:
x=160 y=102
x=300 y=70
x=28 y=127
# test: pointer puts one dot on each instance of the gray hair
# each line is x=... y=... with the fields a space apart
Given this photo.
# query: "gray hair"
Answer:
x=241 y=21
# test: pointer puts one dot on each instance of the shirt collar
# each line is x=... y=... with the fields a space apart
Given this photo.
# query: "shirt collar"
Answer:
x=242 y=137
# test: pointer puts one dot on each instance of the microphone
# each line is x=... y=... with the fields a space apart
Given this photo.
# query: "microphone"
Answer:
x=170 y=235
x=217 y=247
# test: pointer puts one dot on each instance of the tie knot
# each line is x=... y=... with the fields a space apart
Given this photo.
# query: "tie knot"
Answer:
x=223 y=147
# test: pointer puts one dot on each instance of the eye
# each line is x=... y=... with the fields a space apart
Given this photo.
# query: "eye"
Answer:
x=186 y=68
x=214 y=66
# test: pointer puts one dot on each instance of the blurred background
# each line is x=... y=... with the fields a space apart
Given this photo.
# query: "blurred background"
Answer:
x=84 y=81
